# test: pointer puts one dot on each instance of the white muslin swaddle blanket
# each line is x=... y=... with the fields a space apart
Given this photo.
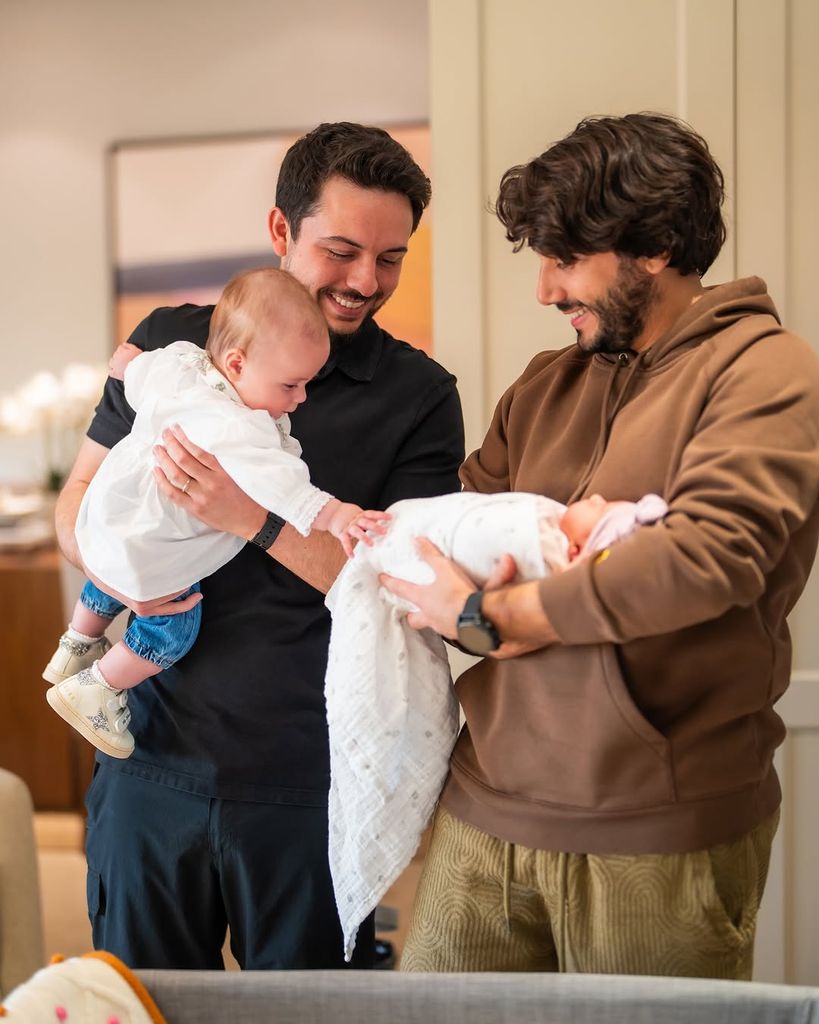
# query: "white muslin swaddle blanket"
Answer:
x=391 y=707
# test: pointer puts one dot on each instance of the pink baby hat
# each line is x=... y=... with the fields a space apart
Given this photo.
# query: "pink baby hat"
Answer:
x=623 y=519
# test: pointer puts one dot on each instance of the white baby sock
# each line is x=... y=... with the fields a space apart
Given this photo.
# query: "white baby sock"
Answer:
x=75 y=634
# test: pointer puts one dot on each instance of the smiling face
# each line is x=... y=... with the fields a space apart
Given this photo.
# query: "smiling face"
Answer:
x=608 y=298
x=348 y=252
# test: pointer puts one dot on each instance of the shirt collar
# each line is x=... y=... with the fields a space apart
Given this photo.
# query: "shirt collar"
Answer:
x=357 y=357
x=213 y=377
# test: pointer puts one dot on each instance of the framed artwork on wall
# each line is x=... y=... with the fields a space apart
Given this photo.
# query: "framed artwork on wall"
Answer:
x=188 y=214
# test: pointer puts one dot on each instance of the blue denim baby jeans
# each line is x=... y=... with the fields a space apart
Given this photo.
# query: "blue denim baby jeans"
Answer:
x=162 y=639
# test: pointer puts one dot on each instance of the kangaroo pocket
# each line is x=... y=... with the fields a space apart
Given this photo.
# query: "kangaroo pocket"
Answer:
x=560 y=726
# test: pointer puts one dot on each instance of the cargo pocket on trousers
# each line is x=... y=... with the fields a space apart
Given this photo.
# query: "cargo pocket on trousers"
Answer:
x=94 y=894
x=729 y=895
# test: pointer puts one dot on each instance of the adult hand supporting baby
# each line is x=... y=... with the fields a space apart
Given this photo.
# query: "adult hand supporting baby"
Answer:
x=194 y=479
x=123 y=355
x=515 y=611
x=439 y=602
x=518 y=616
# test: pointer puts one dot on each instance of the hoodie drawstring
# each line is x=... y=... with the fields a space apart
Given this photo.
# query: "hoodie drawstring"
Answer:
x=624 y=359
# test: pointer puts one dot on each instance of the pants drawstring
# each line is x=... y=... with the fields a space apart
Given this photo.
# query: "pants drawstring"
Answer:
x=508 y=870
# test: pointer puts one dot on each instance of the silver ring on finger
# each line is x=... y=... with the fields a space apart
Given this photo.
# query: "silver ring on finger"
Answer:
x=186 y=485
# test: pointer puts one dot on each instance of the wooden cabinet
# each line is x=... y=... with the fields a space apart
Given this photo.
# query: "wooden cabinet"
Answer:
x=36 y=744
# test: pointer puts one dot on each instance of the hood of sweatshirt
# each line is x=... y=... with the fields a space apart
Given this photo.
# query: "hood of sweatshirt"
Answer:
x=718 y=308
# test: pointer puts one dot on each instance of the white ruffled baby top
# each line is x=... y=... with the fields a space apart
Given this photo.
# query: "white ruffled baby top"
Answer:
x=135 y=540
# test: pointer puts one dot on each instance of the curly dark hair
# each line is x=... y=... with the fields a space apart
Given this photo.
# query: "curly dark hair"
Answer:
x=365 y=155
x=640 y=185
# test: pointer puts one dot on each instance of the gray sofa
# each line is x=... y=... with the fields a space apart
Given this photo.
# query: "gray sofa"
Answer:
x=340 y=997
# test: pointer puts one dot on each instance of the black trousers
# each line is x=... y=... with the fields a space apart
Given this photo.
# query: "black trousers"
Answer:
x=169 y=872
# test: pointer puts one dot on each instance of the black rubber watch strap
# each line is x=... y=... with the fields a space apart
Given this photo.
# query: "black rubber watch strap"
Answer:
x=269 y=532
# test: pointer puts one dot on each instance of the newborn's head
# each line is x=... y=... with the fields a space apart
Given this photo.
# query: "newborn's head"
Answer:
x=580 y=519
x=593 y=522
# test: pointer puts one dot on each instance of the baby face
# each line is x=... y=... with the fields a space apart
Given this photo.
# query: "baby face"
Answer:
x=580 y=518
x=281 y=360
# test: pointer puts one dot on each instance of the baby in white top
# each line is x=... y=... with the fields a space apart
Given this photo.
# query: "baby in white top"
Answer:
x=267 y=340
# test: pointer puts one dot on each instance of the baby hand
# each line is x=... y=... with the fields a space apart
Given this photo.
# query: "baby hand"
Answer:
x=351 y=523
x=123 y=354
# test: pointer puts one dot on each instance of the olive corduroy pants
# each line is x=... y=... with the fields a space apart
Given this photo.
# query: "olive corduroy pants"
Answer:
x=486 y=905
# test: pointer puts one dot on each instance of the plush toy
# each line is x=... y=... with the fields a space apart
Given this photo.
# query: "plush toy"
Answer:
x=96 y=988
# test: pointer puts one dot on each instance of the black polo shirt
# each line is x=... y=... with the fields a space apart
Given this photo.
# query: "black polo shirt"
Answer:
x=242 y=716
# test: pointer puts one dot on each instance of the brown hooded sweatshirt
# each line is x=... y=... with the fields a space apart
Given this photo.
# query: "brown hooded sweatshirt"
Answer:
x=650 y=727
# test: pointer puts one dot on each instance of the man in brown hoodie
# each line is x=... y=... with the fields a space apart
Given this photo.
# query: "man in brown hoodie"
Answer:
x=612 y=798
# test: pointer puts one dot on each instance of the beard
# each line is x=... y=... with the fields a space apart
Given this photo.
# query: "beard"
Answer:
x=340 y=339
x=622 y=312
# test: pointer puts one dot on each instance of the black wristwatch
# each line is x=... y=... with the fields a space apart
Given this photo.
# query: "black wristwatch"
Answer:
x=269 y=532
x=476 y=633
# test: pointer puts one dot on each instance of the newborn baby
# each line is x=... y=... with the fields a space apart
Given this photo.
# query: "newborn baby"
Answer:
x=391 y=707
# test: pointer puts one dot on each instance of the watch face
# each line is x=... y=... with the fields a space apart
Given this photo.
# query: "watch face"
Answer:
x=475 y=633
x=478 y=639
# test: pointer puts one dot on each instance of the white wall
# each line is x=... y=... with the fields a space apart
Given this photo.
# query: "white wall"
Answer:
x=76 y=77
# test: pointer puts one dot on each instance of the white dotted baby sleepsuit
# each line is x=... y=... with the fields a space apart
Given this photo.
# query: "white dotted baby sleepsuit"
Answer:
x=391 y=707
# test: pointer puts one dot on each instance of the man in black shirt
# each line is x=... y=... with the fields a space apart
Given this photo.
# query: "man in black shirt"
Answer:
x=219 y=817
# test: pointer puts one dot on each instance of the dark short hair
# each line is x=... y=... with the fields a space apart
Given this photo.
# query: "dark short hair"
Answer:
x=640 y=185
x=367 y=156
